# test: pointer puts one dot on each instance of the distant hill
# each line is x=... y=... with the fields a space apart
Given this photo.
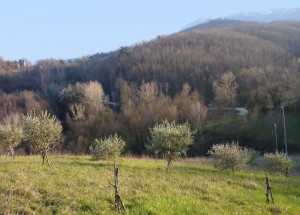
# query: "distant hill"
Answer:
x=274 y=15
x=282 y=33
x=218 y=23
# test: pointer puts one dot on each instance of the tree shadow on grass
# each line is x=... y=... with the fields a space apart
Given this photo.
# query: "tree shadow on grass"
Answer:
x=195 y=170
x=217 y=172
x=91 y=163
x=80 y=161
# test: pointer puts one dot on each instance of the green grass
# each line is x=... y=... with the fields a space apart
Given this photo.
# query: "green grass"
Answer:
x=78 y=185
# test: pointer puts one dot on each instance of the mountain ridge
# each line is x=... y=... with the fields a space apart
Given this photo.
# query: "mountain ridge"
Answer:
x=271 y=16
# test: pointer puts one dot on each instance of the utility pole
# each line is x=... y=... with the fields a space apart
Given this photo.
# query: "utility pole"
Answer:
x=276 y=143
x=284 y=130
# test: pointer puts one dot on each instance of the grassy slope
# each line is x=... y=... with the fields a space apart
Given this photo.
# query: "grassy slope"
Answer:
x=78 y=185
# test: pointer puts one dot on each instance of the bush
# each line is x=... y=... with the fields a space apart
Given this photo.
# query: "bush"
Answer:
x=231 y=156
x=107 y=148
x=170 y=141
x=278 y=162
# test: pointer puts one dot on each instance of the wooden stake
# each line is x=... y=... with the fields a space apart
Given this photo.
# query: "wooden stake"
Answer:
x=118 y=199
x=269 y=190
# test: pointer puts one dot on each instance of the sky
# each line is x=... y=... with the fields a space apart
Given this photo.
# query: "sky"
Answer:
x=64 y=29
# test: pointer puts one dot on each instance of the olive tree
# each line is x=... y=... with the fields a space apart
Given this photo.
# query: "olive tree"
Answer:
x=107 y=148
x=278 y=162
x=170 y=140
x=43 y=131
x=11 y=133
x=231 y=156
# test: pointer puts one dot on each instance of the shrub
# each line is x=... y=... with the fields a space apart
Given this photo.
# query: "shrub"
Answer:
x=43 y=131
x=231 y=156
x=107 y=148
x=278 y=162
x=170 y=141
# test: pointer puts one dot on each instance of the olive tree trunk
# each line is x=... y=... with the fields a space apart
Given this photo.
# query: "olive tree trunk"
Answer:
x=45 y=157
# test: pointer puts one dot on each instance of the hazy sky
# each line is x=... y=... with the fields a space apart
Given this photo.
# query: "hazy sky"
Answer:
x=39 y=29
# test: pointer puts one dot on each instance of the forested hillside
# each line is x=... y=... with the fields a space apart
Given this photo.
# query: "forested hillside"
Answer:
x=186 y=76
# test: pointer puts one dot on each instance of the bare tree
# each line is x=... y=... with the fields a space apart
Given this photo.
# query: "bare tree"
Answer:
x=225 y=90
x=94 y=95
x=197 y=115
x=148 y=91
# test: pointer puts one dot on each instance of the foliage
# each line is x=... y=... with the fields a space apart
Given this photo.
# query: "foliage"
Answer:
x=43 y=131
x=278 y=162
x=11 y=133
x=107 y=148
x=231 y=156
x=170 y=140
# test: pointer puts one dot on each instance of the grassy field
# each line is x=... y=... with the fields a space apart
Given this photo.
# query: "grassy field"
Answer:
x=78 y=185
